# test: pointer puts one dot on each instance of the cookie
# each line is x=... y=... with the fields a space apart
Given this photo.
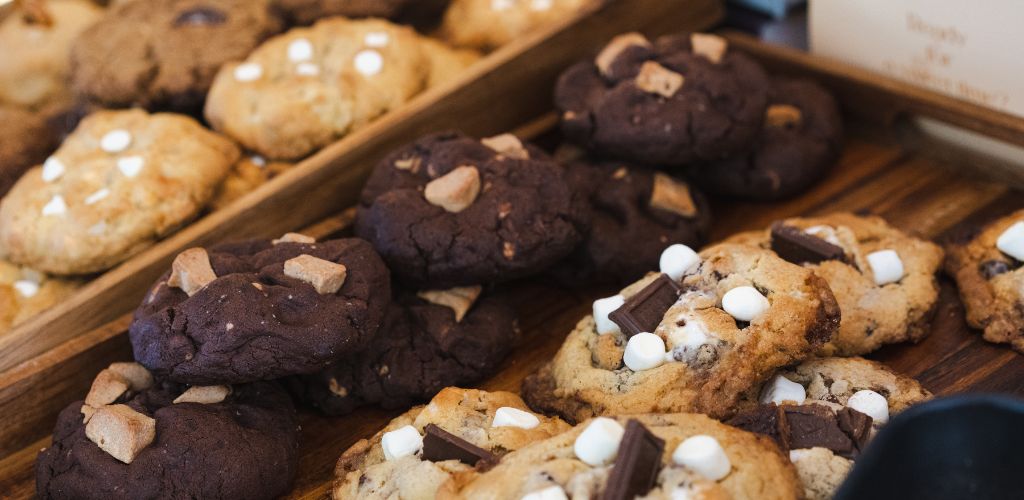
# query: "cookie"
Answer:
x=152 y=440
x=163 y=54
x=248 y=173
x=304 y=89
x=260 y=310
x=309 y=11
x=446 y=63
x=729 y=318
x=876 y=309
x=24 y=293
x=635 y=213
x=25 y=141
x=824 y=412
x=422 y=346
x=662 y=456
x=989 y=271
x=449 y=210
x=120 y=182
x=801 y=139
x=36 y=74
x=680 y=99
x=489 y=24
x=495 y=422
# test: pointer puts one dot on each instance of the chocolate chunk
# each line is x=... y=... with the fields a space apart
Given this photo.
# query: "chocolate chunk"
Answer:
x=798 y=247
x=768 y=420
x=636 y=465
x=856 y=425
x=200 y=16
x=644 y=311
x=440 y=445
x=813 y=426
x=992 y=268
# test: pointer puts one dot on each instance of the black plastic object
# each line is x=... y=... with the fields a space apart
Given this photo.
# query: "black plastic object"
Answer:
x=961 y=447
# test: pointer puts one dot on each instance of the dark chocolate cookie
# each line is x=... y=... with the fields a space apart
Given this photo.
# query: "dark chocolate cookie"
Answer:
x=263 y=313
x=243 y=447
x=683 y=98
x=163 y=54
x=420 y=349
x=802 y=137
x=25 y=140
x=449 y=210
x=635 y=214
x=309 y=11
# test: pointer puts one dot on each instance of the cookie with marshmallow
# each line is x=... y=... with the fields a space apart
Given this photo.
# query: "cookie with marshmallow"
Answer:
x=391 y=462
x=885 y=281
x=25 y=292
x=988 y=267
x=702 y=458
x=700 y=348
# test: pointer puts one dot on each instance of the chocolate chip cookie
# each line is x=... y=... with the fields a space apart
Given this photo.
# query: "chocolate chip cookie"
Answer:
x=853 y=254
x=696 y=342
x=25 y=292
x=680 y=99
x=428 y=341
x=398 y=462
x=489 y=24
x=801 y=139
x=25 y=141
x=261 y=310
x=450 y=210
x=164 y=54
x=989 y=271
x=132 y=438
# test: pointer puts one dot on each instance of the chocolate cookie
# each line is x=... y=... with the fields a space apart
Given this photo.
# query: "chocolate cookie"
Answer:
x=683 y=98
x=309 y=11
x=211 y=442
x=635 y=213
x=259 y=310
x=163 y=54
x=802 y=137
x=422 y=347
x=449 y=210
x=25 y=141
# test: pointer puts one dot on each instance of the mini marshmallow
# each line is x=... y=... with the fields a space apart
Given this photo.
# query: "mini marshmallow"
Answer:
x=644 y=351
x=703 y=454
x=52 y=169
x=550 y=493
x=678 y=260
x=26 y=288
x=130 y=166
x=248 y=72
x=300 y=50
x=687 y=339
x=97 y=196
x=871 y=404
x=599 y=442
x=507 y=416
x=1011 y=242
x=782 y=390
x=55 y=206
x=116 y=141
x=369 y=62
x=401 y=442
x=744 y=303
x=886 y=266
x=604 y=307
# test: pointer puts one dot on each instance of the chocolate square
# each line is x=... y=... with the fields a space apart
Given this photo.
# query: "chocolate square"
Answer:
x=798 y=247
x=440 y=445
x=816 y=425
x=768 y=420
x=636 y=465
x=856 y=425
x=644 y=311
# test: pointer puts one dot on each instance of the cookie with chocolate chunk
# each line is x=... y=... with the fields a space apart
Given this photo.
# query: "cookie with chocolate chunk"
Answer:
x=682 y=98
x=25 y=141
x=450 y=210
x=260 y=310
x=801 y=138
x=428 y=341
x=146 y=440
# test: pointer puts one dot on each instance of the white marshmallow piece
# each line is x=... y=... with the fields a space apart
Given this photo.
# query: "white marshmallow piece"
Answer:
x=130 y=166
x=704 y=455
x=369 y=62
x=678 y=260
x=604 y=307
x=886 y=266
x=550 y=493
x=376 y=39
x=248 y=72
x=871 y=404
x=782 y=390
x=599 y=442
x=26 y=288
x=744 y=303
x=401 y=442
x=300 y=50
x=116 y=141
x=1011 y=242
x=52 y=169
x=644 y=351
x=507 y=416
x=55 y=206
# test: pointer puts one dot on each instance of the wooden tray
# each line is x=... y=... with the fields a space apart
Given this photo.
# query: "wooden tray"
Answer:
x=875 y=174
x=512 y=85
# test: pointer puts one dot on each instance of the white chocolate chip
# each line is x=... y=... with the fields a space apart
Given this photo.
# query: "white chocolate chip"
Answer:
x=401 y=442
x=541 y=5
x=325 y=276
x=106 y=388
x=130 y=166
x=369 y=62
x=886 y=266
x=294 y=238
x=782 y=390
x=26 y=288
x=644 y=351
x=204 y=394
x=97 y=196
x=507 y=145
x=871 y=404
x=458 y=299
x=711 y=47
x=744 y=303
x=55 y=206
x=507 y=416
x=300 y=50
x=248 y=72
x=704 y=455
x=1011 y=241
x=604 y=307
x=116 y=141
x=307 y=69
x=191 y=271
x=137 y=376
x=376 y=39
x=499 y=5
x=121 y=431
x=599 y=442
x=678 y=260
x=617 y=46
x=454 y=191
x=672 y=195
x=52 y=169
x=654 y=78
x=258 y=160
x=550 y=493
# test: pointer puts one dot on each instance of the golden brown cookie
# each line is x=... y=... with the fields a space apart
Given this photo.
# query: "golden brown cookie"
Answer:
x=248 y=173
x=489 y=24
x=25 y=293
x=446 y=63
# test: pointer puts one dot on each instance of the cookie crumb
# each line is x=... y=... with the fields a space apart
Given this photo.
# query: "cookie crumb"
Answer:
x=325 y=276
x=191 y=271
